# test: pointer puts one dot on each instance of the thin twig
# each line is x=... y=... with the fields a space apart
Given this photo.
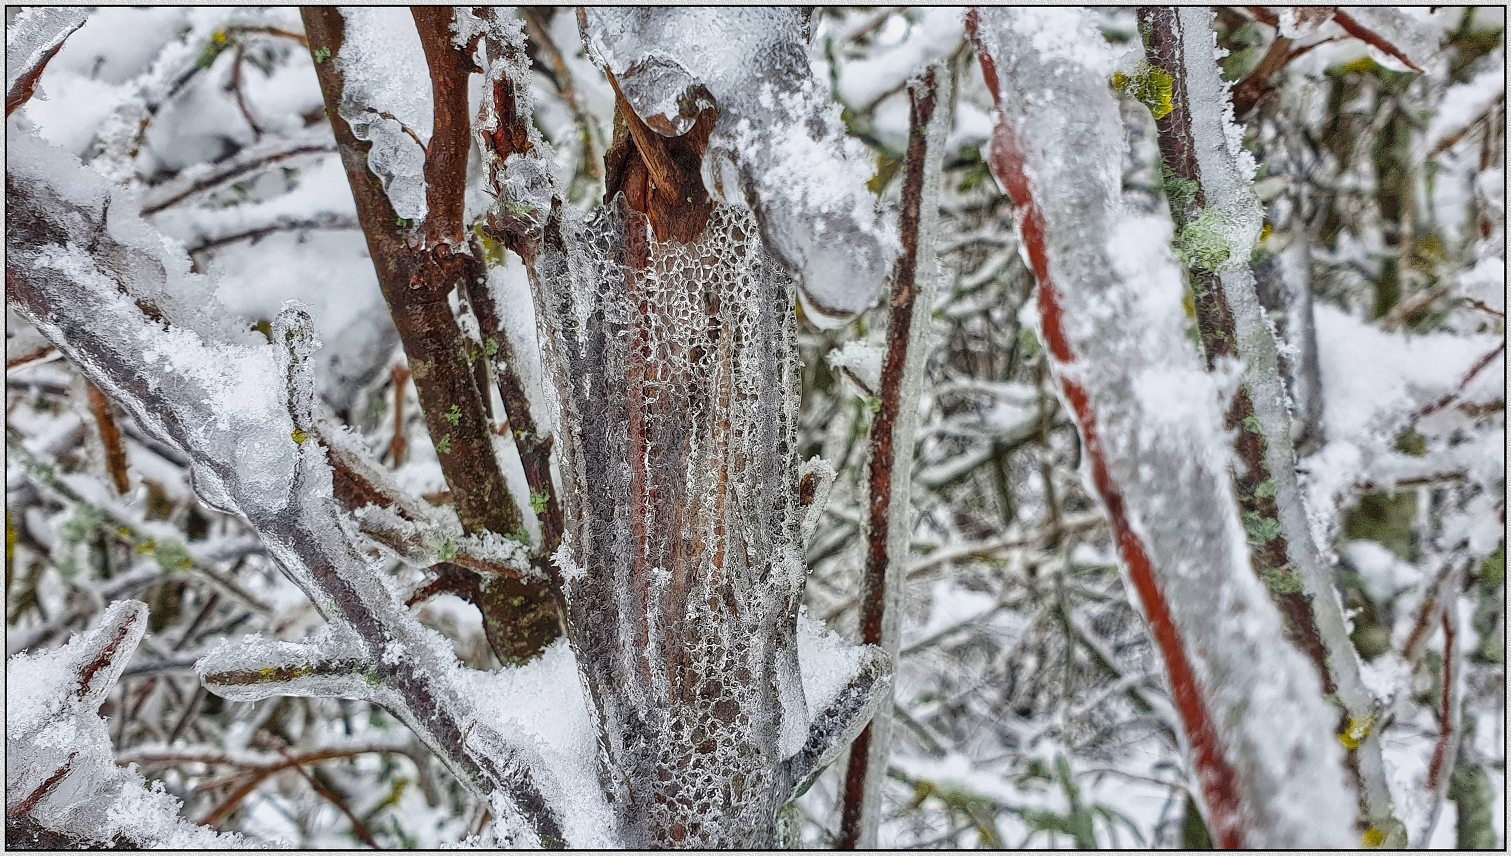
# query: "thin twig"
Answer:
x=891 y=443
x=234 y=86
x=231 y=171
x=1479 y=365
x=110 y=438
x=400 y=443
x=41 y=354
x=35 y=798
x=333 y=222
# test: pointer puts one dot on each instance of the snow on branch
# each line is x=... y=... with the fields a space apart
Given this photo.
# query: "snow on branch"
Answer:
x=1109 y=301
x=244 y=416
x=1201 y=144
x=778 y=145
x=63 y=787
x=30 y=42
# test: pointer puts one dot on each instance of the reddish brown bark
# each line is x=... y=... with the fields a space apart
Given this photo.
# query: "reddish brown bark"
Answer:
x=416 y=280
x=110 y=438
x=660 y=176
x=1441 y=764
x=900 y=321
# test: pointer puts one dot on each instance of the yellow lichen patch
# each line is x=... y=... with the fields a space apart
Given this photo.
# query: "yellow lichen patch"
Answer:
x=1153 y=87
x=1373 y=837
x=299 y=436
x=1356 y=732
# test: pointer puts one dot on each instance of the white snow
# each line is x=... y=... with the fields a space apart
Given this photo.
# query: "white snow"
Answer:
x=778 y=146
x=384 y=67
x=1465 y=102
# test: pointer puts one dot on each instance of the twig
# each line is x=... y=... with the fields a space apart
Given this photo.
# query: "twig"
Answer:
x=46 y=352
x=533 y=446
x=35 y=798
x=110 y=438
x=889 y=518
x=1370 y=37
x=335 y=799
x=416 y=282
x=334 y=222
x=540 y=36
x=399 y=443
x=1445 y=748
x=275 y=32
x=1479 y=365
x=1485 y=308
x=1217 y=326
x=20 y=91
x=234 y=86
x=231 y=171
x=1398 y=314
x=257 y=774
x=1249 y=90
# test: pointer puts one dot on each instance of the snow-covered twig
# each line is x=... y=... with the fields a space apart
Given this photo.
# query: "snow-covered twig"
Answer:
x=1109 y=306
x=63 y=787
x=30 y=43
x=238 y=168
x=243 y=414
x=1199 y=145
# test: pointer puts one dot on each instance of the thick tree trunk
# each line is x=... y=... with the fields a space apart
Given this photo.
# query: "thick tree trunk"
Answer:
x=682 y=571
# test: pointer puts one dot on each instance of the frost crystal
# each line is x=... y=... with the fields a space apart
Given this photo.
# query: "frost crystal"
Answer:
x=778 y=146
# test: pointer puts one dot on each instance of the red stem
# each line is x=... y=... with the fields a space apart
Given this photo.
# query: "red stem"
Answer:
x=1219 y=781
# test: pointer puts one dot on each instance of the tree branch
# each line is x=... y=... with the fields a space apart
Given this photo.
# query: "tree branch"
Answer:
x=78 y=300
x=416 y=282
x=1094 y=254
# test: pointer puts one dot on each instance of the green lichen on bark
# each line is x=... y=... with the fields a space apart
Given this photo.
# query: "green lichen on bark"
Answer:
x=1153 y=87
x=1180 y=192
x=1202 y=245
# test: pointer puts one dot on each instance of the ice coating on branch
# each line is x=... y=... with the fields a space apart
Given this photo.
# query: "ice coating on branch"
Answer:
x=1226 y=173
x=244 y=416
x=59 y=764
x=684 y=641
x=1233 y=215
x=1115 y=293
x=778 y=146
x=36 y=33
x=384 y=68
